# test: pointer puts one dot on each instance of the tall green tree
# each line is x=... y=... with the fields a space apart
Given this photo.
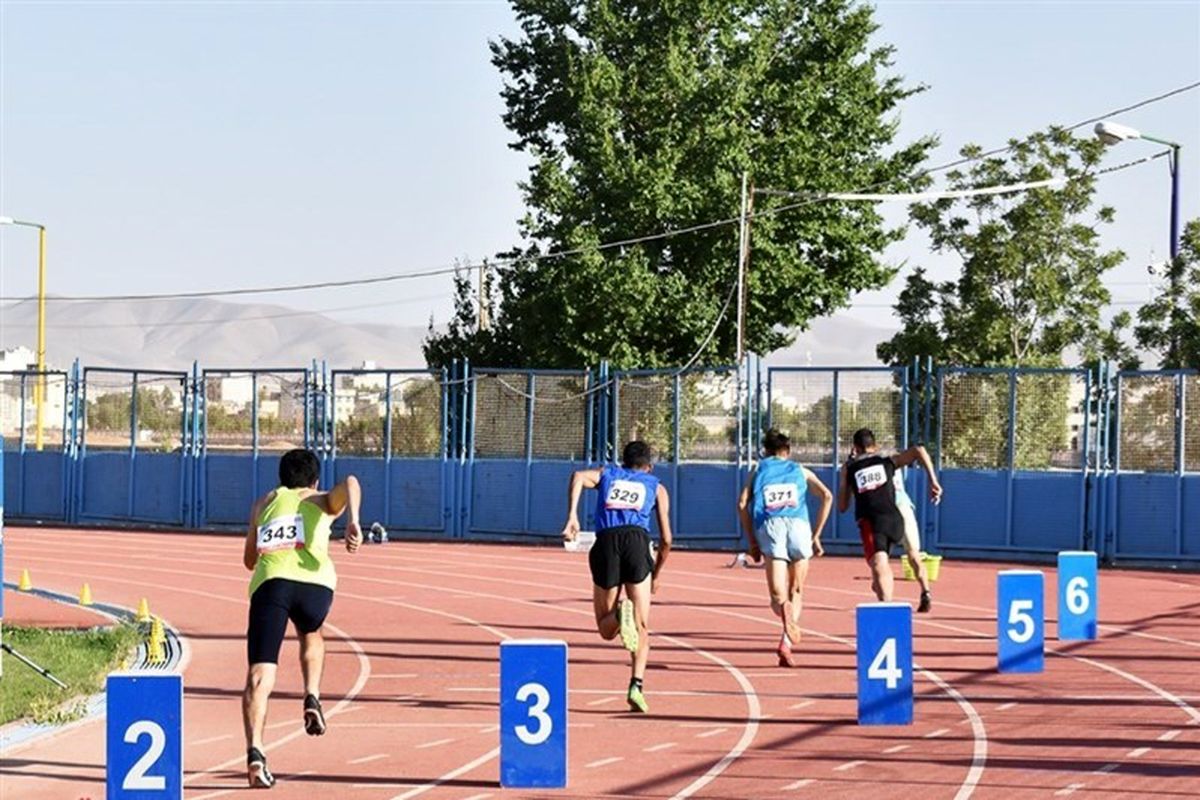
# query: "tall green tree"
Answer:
x=1031 y=264
x=640 y=116
x=1169 y=325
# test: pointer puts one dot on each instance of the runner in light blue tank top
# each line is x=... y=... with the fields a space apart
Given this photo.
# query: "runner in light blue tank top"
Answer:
x=773 y=507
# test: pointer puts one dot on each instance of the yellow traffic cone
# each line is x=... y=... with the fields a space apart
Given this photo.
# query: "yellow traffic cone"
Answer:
x=156 y=630
x=143 y=611
x=156 y=645
x=85 y=595
x=25 y=584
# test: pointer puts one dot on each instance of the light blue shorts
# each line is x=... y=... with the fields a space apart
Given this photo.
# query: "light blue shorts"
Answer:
x=785 y=538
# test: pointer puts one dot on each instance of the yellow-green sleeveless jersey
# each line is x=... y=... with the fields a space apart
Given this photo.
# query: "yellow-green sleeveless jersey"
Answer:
x=293 y=542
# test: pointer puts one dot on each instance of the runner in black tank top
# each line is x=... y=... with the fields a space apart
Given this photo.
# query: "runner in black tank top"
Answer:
x=867 y=477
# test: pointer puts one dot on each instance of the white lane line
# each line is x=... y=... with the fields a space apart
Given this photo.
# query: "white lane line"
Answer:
x=1137 y=752
x=848 y=766
x=800 y=784
x=367 y=759
x=1169 y=735
x=1006 y=706
x=494 y=728
x=477 y=797
x=395 y=675
x=937 y=733
x=604 y=762
x=1069 y=789
x=602 y=701
x=900 y=748
x=449 y=776
x=436 y=743
x=212 y=739
x=804 y=704
x=658 y=747
x=1145 y=684
x=1107 y=768
x=713 y=732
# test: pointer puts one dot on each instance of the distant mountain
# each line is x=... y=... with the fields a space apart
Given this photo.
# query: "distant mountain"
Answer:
x=171 y=334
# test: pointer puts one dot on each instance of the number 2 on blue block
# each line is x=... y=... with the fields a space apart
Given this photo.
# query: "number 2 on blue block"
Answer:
x=884 y=654
x=144 y=736
x=533 y=714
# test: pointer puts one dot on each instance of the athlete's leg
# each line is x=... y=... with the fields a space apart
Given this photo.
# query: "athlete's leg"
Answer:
x=881 y=576
x=639 y=595
x=604 y=602
x=312 y=661
x=260 y=681
x=912 y=548
x=797 y=575
x=779 y=585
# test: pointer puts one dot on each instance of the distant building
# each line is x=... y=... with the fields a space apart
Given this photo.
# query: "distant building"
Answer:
x=18 y=359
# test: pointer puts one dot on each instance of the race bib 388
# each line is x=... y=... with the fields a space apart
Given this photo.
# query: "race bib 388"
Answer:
x=870 y=478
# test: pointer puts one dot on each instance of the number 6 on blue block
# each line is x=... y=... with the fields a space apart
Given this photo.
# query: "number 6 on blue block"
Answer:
x=1021 y=638
x=145 y=736
x=1077 y=596
x=533 y=714
x=884 y=650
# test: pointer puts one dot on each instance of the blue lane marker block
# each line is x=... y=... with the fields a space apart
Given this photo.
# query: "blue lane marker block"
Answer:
x=145 y=736
x=885 y=663
x=533 y=714
x=1021 y=621
x=1078 y=596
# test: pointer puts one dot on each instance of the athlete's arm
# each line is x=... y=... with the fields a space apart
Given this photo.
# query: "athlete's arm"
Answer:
x=743 y=507
x=844 y=490
x=250 y=551
x=580 y=480
x=347 y=495
x=822 y=491
x=918 y=454
x=662 y=507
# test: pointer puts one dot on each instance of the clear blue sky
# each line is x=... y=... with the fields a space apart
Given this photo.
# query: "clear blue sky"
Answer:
x=186 y=146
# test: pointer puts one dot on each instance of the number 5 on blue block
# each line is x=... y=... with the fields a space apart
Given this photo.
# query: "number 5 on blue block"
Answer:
x=533 y=714
x=1021 y=638
x=884 y=649
x=1077 y=596
x=145 y=736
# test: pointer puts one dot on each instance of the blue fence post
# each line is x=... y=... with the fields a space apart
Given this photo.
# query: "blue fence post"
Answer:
x=677 y=456
x=470 y=405
x=254 y=434
x=1012 y=456
x=834 y=518
x=1180 y=413
x=133 y=427
x=531 y=392
x=387 y=447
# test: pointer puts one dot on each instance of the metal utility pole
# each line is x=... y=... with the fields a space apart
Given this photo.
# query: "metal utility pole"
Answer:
x=743 y=253
x=484 y=292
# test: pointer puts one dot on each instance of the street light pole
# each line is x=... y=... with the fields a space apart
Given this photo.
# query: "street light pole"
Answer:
x=1114 y=133
x=39 y=386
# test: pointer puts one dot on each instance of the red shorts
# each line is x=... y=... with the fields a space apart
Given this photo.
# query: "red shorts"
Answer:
x=880 y=533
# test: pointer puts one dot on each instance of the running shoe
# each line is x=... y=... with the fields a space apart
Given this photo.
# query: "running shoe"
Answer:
x=785 y=656
x=314 y=719
x=629 y=628
x=256 y=768
x=637 y=700
x=926 y=603
x=789 y=625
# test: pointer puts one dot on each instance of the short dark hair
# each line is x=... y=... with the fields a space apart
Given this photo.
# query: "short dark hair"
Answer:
x=637 y=454
x=776 y=441
x=864 y=439
x=299 y=469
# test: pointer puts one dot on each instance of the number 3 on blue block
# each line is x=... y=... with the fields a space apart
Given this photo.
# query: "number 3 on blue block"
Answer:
x=1077 y=596
x=884 y=651
x=145 y=736
x=1020 y=643
x=533 y=714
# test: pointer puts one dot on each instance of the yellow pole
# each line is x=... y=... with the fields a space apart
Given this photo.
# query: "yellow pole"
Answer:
x=40 y=388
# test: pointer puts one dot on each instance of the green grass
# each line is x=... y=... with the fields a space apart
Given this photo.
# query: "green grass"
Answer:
x=80 y=659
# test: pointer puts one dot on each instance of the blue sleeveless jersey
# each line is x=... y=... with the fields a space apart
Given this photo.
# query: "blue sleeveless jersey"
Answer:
x=780 y=490
x=624 y=497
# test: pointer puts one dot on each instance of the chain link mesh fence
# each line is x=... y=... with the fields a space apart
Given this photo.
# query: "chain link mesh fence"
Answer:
x=975 y=420
x=228 y=411
x=560 y=408
x=500 y=415
x=872 y=400
x=802 y=407
x=110 y=409
x=281 y=399
x=1147 y=423
x=646 y=411
x=417 y=418
x=708 y=410
x=160 y=401
x=1191 y=423
x=1051 y=407
x=18 y=408
x=360 y=412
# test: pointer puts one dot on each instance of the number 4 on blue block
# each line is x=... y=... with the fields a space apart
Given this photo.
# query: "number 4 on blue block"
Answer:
x=884 y=651
x=1077 y=595
x=144 y=736
x=533 y=714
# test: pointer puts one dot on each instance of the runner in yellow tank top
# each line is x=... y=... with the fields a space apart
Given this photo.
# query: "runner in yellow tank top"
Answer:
x=287 y=548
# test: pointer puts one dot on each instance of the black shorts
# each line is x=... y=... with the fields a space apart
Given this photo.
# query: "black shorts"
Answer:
x=272 y=605
x=620 y=556
x=879 y=532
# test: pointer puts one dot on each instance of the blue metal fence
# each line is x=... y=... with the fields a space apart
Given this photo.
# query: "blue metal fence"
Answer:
x=1033 y=460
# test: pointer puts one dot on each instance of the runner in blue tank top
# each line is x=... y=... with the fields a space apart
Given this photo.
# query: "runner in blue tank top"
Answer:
x=777 y=493
x=625 y=497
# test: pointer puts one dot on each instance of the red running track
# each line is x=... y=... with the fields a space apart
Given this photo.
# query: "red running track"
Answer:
x=411 y=681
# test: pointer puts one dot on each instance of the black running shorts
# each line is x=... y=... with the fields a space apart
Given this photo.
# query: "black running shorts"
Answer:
x=879 y=532
x=620 y=556
x=272 y=605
